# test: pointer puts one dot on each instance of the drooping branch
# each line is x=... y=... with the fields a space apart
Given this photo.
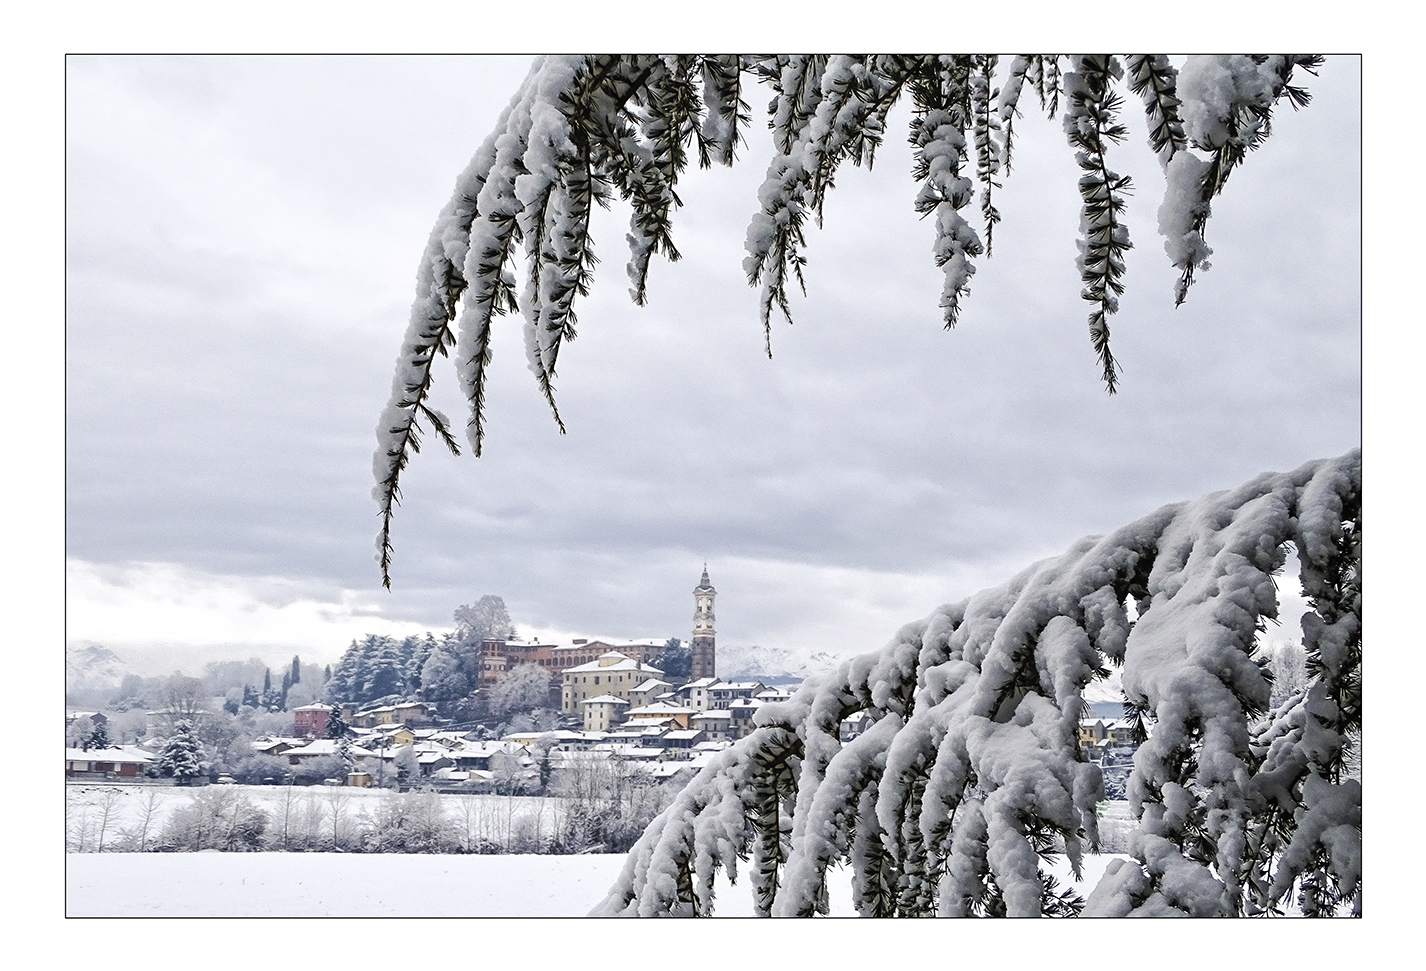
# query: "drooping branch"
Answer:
x=1091 y=125
x=1226 y=107
x=582 y=128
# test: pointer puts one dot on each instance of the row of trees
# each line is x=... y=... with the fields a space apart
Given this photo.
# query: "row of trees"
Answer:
x=270 y=698
x=439 y=669
x=444 y=670
x=232 y=686
x=593 y=805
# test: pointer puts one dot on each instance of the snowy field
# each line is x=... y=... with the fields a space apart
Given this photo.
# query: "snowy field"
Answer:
x=273 y=883
x=217 y=884
x=136 y=814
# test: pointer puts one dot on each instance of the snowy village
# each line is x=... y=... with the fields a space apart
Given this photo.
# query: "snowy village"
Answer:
x=593 y=737
x=558 y=749
x=1039 y=601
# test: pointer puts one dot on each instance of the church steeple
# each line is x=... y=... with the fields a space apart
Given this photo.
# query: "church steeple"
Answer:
x=704 y=656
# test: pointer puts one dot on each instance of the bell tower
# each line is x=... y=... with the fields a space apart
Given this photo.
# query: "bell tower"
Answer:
x=704 y=659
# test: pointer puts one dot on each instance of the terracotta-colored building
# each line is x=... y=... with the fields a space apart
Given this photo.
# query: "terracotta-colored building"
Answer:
x=310 y=721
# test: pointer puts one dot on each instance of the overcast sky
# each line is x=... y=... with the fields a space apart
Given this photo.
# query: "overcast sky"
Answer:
x=242 y=241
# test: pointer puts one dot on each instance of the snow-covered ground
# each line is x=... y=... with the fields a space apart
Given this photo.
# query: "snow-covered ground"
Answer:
x=274 y=883
x=334 y=885
x=376 y=885
x=303 y=811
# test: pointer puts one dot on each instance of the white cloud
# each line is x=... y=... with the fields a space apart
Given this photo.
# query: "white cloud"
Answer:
x=164 y=610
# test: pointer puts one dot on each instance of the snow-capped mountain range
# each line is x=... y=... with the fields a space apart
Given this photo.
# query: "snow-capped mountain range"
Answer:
x=779 y=664
x=770 y=664
x=92 y=668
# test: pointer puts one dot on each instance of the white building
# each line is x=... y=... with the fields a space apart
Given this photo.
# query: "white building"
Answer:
x=611 y=674
x=603 y=712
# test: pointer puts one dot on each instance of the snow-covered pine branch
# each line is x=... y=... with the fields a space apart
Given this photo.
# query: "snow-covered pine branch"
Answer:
x=1226 y=103
x=971 y=773
x=1090 y=122
x=583 y=127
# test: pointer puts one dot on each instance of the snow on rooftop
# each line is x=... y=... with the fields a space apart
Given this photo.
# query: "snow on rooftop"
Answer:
x=662 y=708
x=326 y=746
x=625 y=663
x=106 y=755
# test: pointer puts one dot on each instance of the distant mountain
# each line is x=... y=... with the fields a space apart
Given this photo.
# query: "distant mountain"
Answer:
x=92 y=668
x=770 y=665
x=1107 y=709
x=778 y=665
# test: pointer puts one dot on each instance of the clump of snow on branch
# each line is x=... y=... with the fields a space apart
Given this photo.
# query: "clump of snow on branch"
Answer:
x=971 y=776
x=584 y=128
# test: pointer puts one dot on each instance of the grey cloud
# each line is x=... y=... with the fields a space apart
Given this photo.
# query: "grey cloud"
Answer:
x=222 y=391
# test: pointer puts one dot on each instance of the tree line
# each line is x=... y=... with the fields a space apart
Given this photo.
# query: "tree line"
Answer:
x=593 y=805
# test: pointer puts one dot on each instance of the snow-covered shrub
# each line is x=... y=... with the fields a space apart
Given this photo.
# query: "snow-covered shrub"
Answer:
x=971 y=772
x=182 y=756
x=317 y=769
x=411 y=822
x=217 y=818
x=255 y=768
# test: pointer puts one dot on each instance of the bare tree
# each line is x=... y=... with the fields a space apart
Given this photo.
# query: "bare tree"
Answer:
x=77 y=821
x=1289 y=671
x=136 y=837
x=485 y=618
x=107 y=804
x=184 y=699
x=337 y=817
x=522 y=688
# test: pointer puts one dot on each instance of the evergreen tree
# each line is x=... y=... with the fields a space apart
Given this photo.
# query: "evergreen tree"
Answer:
x=182 y=755
x=270 y=700
x=675 y=660
x=442 y=680
x=296 y=673
x=408 y=768
x=417 y=651
x=344 y=753
x=99 y=737
x=971 y=773
x=336 y=725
